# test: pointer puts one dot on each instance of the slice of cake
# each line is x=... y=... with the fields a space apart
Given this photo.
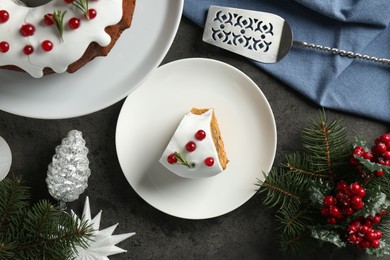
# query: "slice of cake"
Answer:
x=196 y=149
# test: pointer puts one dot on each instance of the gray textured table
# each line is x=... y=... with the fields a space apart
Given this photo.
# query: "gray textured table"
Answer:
x=246 y=233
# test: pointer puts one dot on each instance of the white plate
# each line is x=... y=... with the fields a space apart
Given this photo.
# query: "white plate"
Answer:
x=103 y=81
x=151 y=114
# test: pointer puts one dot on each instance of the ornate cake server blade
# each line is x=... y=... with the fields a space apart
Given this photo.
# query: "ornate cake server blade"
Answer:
x=261 y=36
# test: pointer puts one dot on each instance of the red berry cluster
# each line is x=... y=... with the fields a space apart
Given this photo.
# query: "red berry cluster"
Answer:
x=190 y=147
x=379 y=153
x=347 y=200
x=381 y=150
x=360 y=232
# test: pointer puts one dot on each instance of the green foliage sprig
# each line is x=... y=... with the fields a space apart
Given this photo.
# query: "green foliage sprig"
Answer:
x=39 y=231
x=82 y=5
x=58 y=18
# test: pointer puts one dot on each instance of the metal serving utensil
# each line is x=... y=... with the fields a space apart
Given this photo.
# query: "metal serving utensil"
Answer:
x=261 y=36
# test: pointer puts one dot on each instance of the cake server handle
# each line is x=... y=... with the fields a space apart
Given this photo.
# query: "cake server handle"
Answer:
x=342 y=53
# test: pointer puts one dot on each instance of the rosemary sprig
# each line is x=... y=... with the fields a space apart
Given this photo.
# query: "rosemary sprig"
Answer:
x=82 y=5
x=58 y=19
x=181 y=160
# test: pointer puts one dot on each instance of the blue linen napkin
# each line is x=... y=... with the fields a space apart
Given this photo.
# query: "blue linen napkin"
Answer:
x=331 y=81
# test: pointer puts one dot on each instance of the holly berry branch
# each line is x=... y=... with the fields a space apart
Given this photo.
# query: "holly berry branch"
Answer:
x=333 y=191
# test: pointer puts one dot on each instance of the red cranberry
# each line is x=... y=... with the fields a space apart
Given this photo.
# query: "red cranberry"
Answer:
x=200 y=135
x=371 y=236
x=4 y=16
x=329 y=201
x=4 y=46
x=375 y=243
x=172 y=159
x=376 y=219
x=361 y=193
x=47 y=45
x=351 y=229
x=348 y=211
x=364 y=229
x=91 y=14
x=28 y=49
x=359 y=150
x=190 y=146
x=48 y=19
x=381 y=147
x=341 y=185
x=352 y=238
x=334 y=212
x=355 y=187
x=367 y=223
x=385 y=138
x=356 y=202
x=27 y=30
x=364 y=244
x=74 y=23
x=386 y=155
x=367 y=155
x=379 y=173
x=209 y=161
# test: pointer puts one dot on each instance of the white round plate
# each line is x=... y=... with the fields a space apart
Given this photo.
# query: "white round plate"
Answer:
x=151 y=114
x=5 y=158
x=103 y=81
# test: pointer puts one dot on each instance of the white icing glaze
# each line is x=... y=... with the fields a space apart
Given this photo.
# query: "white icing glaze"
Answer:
x=109 y=12
x=184 y=133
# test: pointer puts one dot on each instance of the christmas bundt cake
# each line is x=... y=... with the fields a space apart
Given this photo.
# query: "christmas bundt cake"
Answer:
x=196 y=149
x=59 y=35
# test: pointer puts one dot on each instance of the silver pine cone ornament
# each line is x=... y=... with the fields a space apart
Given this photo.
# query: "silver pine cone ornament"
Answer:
x=68 y=173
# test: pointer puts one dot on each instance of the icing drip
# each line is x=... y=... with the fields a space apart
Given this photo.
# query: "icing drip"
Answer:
x=184 y=133
x=74 y=44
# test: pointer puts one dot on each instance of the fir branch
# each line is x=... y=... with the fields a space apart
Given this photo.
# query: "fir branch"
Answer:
x=327 y=143
x=298 y=163
x=38 y=232
x=13 y=197
x=280 y=189
x=42 y=219
x=53 y=238
x=294 y=244
x=384 y=225
x=294 y=220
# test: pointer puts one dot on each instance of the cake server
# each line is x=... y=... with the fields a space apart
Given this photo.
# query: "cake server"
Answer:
x=261 y=36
